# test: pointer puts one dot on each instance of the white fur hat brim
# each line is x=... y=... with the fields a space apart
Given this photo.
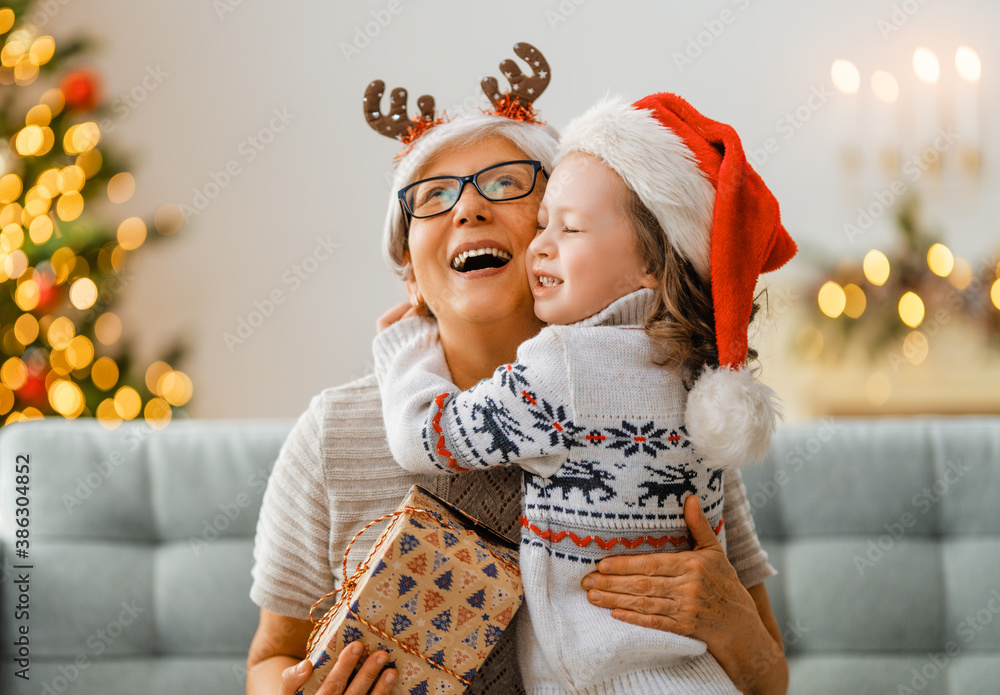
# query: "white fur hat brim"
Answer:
x=656 y=164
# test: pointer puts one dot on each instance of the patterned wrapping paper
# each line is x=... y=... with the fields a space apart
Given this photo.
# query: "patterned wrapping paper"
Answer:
x=436 y=592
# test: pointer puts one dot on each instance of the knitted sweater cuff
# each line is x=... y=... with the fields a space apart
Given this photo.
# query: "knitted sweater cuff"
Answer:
x=405 y=333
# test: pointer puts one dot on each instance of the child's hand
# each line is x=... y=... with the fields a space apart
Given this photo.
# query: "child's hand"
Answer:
x=399 y=312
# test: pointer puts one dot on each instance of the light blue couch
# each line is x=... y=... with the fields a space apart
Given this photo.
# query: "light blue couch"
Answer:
x=886 y=535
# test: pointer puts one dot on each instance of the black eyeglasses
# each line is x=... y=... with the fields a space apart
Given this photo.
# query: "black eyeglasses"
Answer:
x=497 y=183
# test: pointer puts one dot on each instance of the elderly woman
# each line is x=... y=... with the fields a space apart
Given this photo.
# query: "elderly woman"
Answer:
x=334 y=473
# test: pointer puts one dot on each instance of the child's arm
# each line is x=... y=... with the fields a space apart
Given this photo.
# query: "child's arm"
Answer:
x=514 y=417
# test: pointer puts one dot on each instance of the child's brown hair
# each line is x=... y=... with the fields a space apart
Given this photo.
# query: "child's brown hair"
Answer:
x=682 y=323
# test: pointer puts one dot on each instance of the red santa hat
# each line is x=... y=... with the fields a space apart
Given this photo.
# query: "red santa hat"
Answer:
x=715 y=210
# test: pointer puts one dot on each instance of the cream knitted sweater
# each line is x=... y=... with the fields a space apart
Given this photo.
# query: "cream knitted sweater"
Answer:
x=335 y=473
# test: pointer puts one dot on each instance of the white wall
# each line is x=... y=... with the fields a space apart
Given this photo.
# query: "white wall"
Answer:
x=227 y=65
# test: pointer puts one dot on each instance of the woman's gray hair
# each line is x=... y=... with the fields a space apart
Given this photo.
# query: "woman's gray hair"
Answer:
x=536 y=141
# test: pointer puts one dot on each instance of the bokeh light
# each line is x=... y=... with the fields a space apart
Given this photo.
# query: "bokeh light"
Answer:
x=911 y=309
x=967 y=63
x=66 y=398
x=108 y=328
x=61 y=332
x=845 y=76
x=940 y=260
x=14 y=373
x=127 y=402
x=131 y=233
x=885 y=87
x=876 y=267
x=83 y=293
x=107 y=415
x=157 y=413
x=926 y=65
x=855 y=302
x=832 y=299
x=104 y=373
x=175 y=388
x=121 y=187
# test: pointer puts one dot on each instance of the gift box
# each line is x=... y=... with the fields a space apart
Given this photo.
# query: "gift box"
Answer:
x=436 y=592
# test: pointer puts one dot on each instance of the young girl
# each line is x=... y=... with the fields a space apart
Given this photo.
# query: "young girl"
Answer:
x=652 y=233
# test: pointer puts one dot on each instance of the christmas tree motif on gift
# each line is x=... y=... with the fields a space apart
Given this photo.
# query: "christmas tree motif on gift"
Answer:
x=469 y=579
x=450 y=539
x=500 y=597
x=500 y=425
x=410 y=606
x=676 y=482
x=478 y=599
x=407 y=543
x=351 y=634
x=432 y=600
x=444 y=581
x=411 y=670
x=406 y=583
x=433 y=539
x=504 y=617
x=491 y=571
x=632 y=439
x=323 y=659
x=418 y=565
x=420 y=688
x=439 y=559
x=380 y=567
x=463 y=555
x=443 y=621
x=472 y=641
x=470 y=674
x=483 y=554
x=400 y=623
x=385 y=588
x=464 y=615
x=491 y=635
x=432 y=640
x=461 y=655
x=438 y=658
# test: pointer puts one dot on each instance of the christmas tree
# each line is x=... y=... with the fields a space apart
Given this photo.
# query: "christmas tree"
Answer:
x=63 y=251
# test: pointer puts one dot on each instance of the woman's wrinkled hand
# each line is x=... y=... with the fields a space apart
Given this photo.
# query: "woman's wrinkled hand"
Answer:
x=338 y=681
x=695 y=593
x=398 y=313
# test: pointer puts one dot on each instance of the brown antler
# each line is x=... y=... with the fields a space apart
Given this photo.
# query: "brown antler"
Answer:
x=396 y=124
x=522 y=87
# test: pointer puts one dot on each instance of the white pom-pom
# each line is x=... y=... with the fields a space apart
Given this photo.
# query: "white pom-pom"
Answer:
x=730 y=417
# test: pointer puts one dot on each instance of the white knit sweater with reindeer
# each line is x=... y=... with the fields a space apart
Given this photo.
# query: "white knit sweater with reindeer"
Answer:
x=597 y=428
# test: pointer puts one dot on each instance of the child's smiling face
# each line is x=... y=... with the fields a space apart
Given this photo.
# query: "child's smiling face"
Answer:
x=584 y=255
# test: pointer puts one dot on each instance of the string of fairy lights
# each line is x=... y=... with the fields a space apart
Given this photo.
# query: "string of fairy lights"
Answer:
x=50 y=167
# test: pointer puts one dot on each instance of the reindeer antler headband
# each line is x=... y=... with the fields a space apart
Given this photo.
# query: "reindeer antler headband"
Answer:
x=515 y=103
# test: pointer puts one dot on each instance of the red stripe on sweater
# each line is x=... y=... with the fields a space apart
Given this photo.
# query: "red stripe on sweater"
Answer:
x=436 y=423
x=605 y=544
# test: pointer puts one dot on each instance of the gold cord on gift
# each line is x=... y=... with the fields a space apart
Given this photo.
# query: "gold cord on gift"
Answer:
x=350 y=584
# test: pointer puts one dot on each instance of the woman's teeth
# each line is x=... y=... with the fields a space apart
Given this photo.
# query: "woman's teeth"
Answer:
x=458 y=263
x=548 y=281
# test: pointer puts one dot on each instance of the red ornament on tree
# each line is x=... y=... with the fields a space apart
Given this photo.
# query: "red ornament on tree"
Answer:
x=33 y=392
x=80 y=89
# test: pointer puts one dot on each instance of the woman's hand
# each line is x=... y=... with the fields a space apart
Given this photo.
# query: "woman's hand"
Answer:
x=338 y=680
x=696 y=593
x=398 y=313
